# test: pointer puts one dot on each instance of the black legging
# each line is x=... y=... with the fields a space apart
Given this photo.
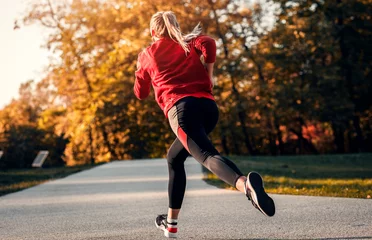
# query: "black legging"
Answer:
x=192 y=119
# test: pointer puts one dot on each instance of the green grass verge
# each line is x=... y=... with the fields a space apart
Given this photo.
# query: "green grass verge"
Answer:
x=13 y=180
x=348 y=175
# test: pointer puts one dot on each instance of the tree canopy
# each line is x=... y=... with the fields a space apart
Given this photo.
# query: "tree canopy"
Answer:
x=293 y=77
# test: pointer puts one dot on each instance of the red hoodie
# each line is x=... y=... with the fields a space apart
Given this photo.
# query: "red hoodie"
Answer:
x=173 y=73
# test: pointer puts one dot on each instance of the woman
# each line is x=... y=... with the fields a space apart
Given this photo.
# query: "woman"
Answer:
x=183 y=90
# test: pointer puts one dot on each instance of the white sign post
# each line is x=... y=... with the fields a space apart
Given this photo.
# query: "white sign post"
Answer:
x=40 y=158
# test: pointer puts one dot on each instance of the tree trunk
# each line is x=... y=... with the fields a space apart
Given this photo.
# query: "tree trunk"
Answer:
x=247 y=141
x=234 y=142
x=91 y=147
x=108 y=144
x=266 y=111
x=241 y=110
x=347 y=72
x=338 y=137
x=272 y=143
x=279 y=136
x=359 y=133
x=224 y=141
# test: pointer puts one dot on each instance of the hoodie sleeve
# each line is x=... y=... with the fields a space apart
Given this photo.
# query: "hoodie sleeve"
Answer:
x=207 y=46
x=142 y=83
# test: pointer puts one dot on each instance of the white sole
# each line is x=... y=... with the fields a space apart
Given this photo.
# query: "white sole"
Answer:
x=170 y=235
x=166 y=233
x=254 y=196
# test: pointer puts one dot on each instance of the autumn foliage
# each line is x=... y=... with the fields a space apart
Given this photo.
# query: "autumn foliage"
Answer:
x=293 y=77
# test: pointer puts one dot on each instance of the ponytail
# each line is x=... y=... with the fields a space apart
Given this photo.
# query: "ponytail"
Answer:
x=165 y=23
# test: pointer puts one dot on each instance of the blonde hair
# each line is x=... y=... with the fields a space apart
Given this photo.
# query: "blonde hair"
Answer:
x=165 y=24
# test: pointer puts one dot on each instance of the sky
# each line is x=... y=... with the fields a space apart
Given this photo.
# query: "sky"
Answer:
x=21 y=56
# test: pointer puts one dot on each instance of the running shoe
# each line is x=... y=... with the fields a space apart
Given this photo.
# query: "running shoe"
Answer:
x=169 y=229
x=255 y=192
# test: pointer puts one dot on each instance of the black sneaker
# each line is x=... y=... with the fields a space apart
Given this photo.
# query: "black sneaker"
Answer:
x=255 y=192
x=169 y=229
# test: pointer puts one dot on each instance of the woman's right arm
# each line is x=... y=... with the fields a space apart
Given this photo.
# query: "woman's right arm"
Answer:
x=207 y=46
x=209 y=67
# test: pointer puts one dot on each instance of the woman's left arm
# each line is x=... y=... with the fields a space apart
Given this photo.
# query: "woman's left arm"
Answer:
x=142 y=83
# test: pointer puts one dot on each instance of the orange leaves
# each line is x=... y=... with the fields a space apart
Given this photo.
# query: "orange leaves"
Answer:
x=299 y=34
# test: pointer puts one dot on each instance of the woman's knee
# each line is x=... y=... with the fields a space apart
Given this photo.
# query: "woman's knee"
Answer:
x=170 y=157
x=175 y=160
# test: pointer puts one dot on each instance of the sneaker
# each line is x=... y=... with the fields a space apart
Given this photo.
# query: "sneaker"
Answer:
x=255 y=192
x=169 y=229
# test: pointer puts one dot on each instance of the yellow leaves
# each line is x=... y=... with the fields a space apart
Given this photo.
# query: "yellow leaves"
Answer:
x=299 y=34
x=266 y=50
x=119 y=75
x=246 y=12
x=269 y=66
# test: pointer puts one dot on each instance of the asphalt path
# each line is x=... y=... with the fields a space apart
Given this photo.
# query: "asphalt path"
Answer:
x=121 y=199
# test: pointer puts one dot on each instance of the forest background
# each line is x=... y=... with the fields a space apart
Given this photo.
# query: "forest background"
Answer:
x=293 y=77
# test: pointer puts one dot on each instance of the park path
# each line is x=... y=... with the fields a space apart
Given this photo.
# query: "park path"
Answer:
x=119 y=200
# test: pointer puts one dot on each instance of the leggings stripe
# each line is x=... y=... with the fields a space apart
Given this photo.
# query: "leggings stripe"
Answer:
x=183 y=138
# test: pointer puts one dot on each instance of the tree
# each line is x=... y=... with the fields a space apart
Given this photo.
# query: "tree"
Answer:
x=337 y=36
x=26 y=128
x=284 y=87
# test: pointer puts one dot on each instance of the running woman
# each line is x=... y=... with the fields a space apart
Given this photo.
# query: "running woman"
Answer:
x=183 y=90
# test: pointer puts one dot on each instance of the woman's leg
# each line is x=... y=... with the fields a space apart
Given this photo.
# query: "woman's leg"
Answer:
x=176 y=157
x=191 y=120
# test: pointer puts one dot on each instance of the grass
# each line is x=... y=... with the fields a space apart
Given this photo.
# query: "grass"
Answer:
x=13 y=180
x=348 y=175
